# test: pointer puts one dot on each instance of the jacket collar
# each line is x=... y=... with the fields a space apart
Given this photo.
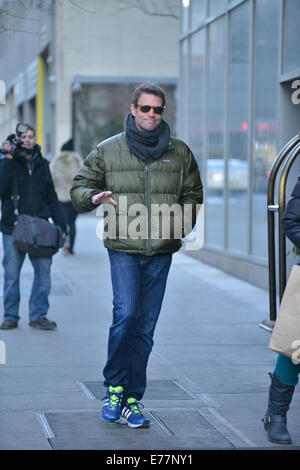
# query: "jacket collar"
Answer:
x=35 y=160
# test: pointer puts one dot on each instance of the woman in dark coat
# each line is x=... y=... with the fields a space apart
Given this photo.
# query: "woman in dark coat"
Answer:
x=285 y=375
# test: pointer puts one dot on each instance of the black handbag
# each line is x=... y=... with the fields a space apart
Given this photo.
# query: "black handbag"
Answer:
x=34 y=235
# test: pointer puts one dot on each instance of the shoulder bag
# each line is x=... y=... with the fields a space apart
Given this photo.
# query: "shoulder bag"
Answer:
x=34 y=235
x=285 y=338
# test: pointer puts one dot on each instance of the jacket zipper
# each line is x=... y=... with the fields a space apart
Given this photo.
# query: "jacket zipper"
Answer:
x=30 y=186
x=148 y=249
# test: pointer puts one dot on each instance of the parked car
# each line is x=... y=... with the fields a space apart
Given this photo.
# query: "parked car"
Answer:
x=237 y=174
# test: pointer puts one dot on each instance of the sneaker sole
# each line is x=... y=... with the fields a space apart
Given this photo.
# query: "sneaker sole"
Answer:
x=110 y=420
x=144 y=425
x=123 y=420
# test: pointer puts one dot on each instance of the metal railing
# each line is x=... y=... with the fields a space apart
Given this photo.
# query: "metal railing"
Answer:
x=283 y=162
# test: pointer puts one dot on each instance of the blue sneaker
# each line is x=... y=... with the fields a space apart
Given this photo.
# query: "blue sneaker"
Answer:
x=111 y=410
x=132 y=415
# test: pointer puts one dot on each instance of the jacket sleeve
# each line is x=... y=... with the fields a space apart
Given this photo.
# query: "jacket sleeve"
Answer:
x=89 y=180
x=191 y=196
x=291 y=216
x=6 y=176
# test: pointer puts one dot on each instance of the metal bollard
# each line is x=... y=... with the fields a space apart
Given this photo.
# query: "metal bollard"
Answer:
x=285 y=157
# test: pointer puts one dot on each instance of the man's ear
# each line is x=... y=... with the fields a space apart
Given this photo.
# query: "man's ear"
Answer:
x=132 y=109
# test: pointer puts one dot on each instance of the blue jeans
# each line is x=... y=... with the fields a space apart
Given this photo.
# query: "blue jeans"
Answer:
x=138 y=284
x=12 y=263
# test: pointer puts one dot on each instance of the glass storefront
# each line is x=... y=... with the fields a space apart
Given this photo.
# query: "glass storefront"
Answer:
x=265 y=119
x=216 y=6
x=231 y=79
x=291 y=51
x=198 y=12
x=197 y=95
x=238 y=128
x=215 y=134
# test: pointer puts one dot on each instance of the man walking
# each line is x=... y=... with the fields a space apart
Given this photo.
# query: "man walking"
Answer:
x=37 y=197
x=148 y=167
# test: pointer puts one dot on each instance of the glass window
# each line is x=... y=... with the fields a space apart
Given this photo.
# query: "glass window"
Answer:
x=291 y=59
x=216 y=7
x=183 y=121
x=198 y=12
x=238 y=115
x=185 y=11
x=214 y=224
x=265 y=126
x=197 y=94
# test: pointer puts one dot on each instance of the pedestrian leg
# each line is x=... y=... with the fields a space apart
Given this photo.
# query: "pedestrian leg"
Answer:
x=125 y=275
x=12 y=263
x=39 y=297
x=155 y=271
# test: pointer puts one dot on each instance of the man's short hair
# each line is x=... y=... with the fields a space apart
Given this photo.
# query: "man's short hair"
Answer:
x=30 y=128
x=150 y=89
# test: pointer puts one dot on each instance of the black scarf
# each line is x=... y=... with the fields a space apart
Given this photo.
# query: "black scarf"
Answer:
x=144 y=144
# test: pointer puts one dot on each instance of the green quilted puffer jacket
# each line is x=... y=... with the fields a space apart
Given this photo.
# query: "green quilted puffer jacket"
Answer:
x=157 y=201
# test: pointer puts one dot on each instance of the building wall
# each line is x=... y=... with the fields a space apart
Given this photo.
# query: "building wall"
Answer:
x=100 y=109
x=92 y=38
x=17 y=47
x=28 y=30
x=27 y=35
x=238 y=61
x=107 y=42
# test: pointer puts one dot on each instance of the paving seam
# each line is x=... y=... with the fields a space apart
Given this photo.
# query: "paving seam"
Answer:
x=212 y=416
x=45 y=425
x=225 y=427
x=49 y=434
x=86 y=391
x=160 y=422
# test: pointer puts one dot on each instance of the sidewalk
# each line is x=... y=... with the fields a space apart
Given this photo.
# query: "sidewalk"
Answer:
x=207 y=376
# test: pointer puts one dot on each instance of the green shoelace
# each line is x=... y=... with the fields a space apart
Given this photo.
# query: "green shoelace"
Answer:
x=134 y=405
x=115 y=396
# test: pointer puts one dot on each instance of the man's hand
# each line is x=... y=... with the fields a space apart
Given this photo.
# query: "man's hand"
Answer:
x=103 y=198
x=7 y=146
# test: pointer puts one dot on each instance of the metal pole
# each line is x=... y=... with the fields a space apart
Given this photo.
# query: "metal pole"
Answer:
x=272 y=208
x=281 y=202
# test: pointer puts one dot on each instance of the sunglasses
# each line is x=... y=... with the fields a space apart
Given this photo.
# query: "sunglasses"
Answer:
x=146 y=108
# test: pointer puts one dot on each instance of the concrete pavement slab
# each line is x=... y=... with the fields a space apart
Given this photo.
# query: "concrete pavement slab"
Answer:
x=207 y=341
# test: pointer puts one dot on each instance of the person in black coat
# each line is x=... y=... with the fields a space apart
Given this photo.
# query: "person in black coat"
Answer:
x=286 y=373
x=291 y=216
x=37 y=198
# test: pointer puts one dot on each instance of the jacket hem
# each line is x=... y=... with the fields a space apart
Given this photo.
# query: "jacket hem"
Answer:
x=5 y=229
x=144 y=252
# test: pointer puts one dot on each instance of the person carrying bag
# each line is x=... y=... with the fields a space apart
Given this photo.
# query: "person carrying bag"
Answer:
x=28 y=200
x=285 y=338
x=34 y=235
